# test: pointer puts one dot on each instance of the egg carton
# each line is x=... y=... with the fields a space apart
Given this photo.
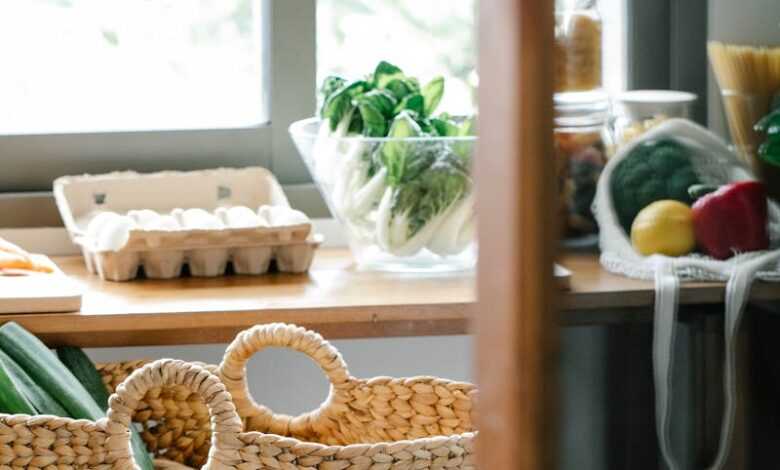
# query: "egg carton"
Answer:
x=163 y=252
x=202 y=262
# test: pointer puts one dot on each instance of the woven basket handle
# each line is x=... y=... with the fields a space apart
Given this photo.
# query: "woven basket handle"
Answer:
x=225 y=423
x=232 y=371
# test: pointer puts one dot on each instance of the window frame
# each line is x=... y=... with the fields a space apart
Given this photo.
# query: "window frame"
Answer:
x=33 y=161
x=667 y=48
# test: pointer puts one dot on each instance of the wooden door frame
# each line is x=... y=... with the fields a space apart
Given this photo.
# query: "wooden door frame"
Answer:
x=515 y=319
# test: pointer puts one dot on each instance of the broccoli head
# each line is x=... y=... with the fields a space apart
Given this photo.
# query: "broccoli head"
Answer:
x=653 y=171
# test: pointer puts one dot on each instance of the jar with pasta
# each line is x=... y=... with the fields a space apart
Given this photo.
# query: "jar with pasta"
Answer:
x=578 y=31
x=581 y=143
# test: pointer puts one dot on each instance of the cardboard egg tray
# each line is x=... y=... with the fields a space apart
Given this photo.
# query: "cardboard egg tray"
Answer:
x=163 y=253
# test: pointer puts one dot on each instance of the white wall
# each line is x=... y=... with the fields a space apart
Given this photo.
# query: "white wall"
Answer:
x=753 y=22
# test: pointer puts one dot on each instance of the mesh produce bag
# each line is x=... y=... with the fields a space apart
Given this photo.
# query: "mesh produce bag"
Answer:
x=714 y=164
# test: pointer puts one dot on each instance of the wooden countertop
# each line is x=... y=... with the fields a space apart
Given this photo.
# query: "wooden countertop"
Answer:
x=334 y=298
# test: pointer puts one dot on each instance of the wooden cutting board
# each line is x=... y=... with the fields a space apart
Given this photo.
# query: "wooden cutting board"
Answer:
x=40 y=292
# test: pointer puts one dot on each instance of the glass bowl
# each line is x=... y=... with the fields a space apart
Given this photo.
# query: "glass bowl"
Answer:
x=406 y=204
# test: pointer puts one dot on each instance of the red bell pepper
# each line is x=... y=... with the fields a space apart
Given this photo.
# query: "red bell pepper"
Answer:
x=731 y=220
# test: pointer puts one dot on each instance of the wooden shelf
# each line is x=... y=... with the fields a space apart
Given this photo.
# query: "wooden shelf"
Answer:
x=334 y=299
x=597 y=296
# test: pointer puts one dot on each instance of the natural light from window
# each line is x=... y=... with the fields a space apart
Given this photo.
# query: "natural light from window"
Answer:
x=125 y=65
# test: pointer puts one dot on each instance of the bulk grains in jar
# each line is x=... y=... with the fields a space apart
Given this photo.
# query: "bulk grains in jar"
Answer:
x=578 y=35
x=582 y=144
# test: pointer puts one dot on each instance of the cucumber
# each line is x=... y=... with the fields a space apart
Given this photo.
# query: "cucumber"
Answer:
x=43 y=403
x=42 y=365
x=84 y=369
x=12 y=401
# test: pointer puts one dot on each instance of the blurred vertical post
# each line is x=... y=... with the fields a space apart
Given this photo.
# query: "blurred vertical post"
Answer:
x=516 y=317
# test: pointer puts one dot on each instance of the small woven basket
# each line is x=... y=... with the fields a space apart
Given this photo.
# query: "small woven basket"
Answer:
x=48 y=442
x=379 y=423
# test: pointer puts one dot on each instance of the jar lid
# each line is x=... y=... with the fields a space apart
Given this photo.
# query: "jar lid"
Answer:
x=581 y=108
x=640 y=104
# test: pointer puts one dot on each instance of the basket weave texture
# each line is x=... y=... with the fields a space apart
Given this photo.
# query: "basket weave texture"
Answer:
x=380 y=423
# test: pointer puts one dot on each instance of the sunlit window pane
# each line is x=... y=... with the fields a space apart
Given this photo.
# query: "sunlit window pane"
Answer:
x=104 y=65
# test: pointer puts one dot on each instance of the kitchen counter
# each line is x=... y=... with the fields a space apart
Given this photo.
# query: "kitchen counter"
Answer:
x=334 y=298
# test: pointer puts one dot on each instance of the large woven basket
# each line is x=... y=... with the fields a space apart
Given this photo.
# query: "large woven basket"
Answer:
x=379 y=423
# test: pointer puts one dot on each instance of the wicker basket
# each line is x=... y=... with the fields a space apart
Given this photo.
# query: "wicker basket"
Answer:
x=48 y=442
x=379 y=423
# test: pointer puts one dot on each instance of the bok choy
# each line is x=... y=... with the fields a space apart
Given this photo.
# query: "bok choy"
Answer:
x=394 y=180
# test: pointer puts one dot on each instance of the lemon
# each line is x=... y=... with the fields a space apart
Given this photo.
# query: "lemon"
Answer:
x=665 y=228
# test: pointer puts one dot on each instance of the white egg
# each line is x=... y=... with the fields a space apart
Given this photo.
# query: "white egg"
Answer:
x=96 y=225
x=280 y=216
x=164 y=222
x=144 y=217
x=242 y=217
x=264 y=212
x=296 y=217
x=200 y=219
x=113 y=236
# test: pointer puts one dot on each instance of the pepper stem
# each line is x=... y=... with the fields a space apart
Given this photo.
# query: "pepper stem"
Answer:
x=699 y=190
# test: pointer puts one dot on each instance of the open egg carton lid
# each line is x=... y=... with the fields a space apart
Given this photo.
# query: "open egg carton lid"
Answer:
x=204 y=218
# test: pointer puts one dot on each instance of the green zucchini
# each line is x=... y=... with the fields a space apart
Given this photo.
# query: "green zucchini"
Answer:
x=42 y=365
x=84 y=369
x=12 y=400
x=43 y=403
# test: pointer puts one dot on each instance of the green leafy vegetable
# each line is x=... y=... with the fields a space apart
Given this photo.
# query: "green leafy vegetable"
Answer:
x=375 y=108
x=769 y=150
x=432 y=93
x=329 y=86
x=395 y=153
x=427 y=196
x=413 y=102
x=402 y=87
x=386 y=72
x=339 y=105
x=445 y=127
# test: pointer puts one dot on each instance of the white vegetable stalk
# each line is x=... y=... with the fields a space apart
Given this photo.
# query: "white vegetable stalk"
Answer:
x=392 y=231
x=352 y=175
x=327 y=149
x=355 y=195
x=457 y=230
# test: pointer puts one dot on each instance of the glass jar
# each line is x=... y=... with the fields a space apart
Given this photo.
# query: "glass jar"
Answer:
x=578 y=34
x=638 y=111
x=582 y=141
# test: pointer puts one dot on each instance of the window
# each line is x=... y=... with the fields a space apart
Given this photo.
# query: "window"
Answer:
x=92 y=86
x=614 y=64
x=97 y=65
